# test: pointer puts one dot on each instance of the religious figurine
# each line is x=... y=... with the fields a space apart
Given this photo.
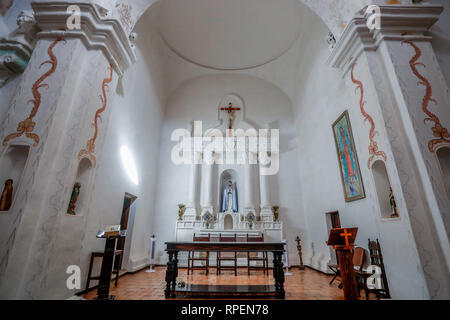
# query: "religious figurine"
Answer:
x=230 y=110
x=230 y=198
x=6 y=199
x=181 y=210
x=299 y=248
x=74 y=198
x=393 y=204
x=276 y=212
x=348 y=162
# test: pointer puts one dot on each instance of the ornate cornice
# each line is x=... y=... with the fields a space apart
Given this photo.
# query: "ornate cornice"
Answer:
x=415 y=20
x=106 y=35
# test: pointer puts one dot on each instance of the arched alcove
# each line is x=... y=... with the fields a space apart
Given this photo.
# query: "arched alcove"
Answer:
x=228 y=222
x=443 y=156
x=383 y=189
x=12 y=166
x=78 y=205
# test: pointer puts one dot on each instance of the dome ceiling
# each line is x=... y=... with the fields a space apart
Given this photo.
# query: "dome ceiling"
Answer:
x=230 y=34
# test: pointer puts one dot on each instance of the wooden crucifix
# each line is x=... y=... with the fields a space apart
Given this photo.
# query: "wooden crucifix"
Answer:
x=231 y=112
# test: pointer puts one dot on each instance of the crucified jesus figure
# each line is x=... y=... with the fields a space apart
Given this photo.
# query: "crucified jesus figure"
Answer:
x=231 y=112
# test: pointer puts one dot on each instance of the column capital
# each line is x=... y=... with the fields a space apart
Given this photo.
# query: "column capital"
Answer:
x=16 y=49
x=96 y=32
x=396 y=23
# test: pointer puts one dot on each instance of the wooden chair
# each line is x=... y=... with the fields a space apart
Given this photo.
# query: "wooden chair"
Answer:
x=376 y=258
x=358 y=262
x=226 y=256
x=257 y=256
x=117 y=257
x=336 y=272
x=203 y=257
x=333 y=221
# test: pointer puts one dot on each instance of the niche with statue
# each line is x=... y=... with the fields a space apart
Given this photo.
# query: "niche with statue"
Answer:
x=12 y=167
x=386 y=198
x=80 y=189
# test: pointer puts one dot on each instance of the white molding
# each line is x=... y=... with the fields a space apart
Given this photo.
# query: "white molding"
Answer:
x=415 y=20
x=97 y=33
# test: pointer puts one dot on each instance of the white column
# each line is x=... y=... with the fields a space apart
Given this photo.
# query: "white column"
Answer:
x=193 y=188
x=207 y=189
x=266 y=202
x=249 y=184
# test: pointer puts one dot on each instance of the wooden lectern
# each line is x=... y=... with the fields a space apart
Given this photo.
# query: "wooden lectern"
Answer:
x=111 y=235
x=342 y=240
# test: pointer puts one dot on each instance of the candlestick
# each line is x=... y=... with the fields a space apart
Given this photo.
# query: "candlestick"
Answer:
x=299 y=248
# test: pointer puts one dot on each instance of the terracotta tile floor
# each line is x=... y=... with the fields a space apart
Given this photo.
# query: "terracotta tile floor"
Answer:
x=302 y=285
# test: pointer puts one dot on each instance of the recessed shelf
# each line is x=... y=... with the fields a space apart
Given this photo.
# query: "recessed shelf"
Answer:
x=12 y=166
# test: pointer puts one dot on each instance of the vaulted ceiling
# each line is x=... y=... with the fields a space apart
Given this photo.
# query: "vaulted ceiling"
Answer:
x=230 y=34
x=334 y=13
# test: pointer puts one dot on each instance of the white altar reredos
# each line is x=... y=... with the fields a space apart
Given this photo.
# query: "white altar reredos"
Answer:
x=204 y=210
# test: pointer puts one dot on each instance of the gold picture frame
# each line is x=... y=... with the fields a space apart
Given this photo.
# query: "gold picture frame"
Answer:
x=351 y=178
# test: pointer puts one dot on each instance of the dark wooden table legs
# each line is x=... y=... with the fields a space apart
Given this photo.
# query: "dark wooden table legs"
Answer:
x=105 y=274
x=171 y=274
x=278 y=273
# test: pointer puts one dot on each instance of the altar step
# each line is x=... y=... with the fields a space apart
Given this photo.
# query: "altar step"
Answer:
x=211 y=291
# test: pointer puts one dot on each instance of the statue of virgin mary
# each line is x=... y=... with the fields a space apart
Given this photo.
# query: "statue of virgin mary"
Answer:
x=230 y=198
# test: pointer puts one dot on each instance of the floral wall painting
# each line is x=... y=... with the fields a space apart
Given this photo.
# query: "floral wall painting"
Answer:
x=5 y=5
x=348 y=159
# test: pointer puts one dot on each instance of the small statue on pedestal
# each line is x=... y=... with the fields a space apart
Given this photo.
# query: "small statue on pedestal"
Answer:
x=393 y=204
x=74 y=198
x=6 y=199
x=276 y=212
x=181 y=210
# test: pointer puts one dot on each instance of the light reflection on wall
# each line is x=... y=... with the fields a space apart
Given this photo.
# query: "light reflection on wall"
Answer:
x=129 y=164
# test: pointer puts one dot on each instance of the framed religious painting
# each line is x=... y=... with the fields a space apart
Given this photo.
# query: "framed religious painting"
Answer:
x=348 y=159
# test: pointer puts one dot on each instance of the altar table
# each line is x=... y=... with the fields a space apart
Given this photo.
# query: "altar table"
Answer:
x=172 y=289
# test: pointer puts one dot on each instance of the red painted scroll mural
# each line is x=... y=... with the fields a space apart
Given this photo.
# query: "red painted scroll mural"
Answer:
x=5 y=5
x=373 y=146
x=90 y=145
x=439 y=132
x=27 y=126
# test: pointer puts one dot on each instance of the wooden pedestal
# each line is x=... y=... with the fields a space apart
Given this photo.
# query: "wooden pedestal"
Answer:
x=345 y=257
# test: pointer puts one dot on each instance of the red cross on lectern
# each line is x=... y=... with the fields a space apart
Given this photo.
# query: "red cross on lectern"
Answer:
x=231 y=112
x=346 y=235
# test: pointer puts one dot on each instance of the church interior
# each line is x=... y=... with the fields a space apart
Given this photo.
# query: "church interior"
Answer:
x=289 y=149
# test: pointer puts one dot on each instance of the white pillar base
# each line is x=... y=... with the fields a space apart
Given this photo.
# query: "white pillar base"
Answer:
x=190 y=214
x=267 y=214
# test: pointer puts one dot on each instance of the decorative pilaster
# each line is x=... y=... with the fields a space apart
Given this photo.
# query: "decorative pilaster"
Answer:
x=96 y=33
x=52 y=113
x=407 y=121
